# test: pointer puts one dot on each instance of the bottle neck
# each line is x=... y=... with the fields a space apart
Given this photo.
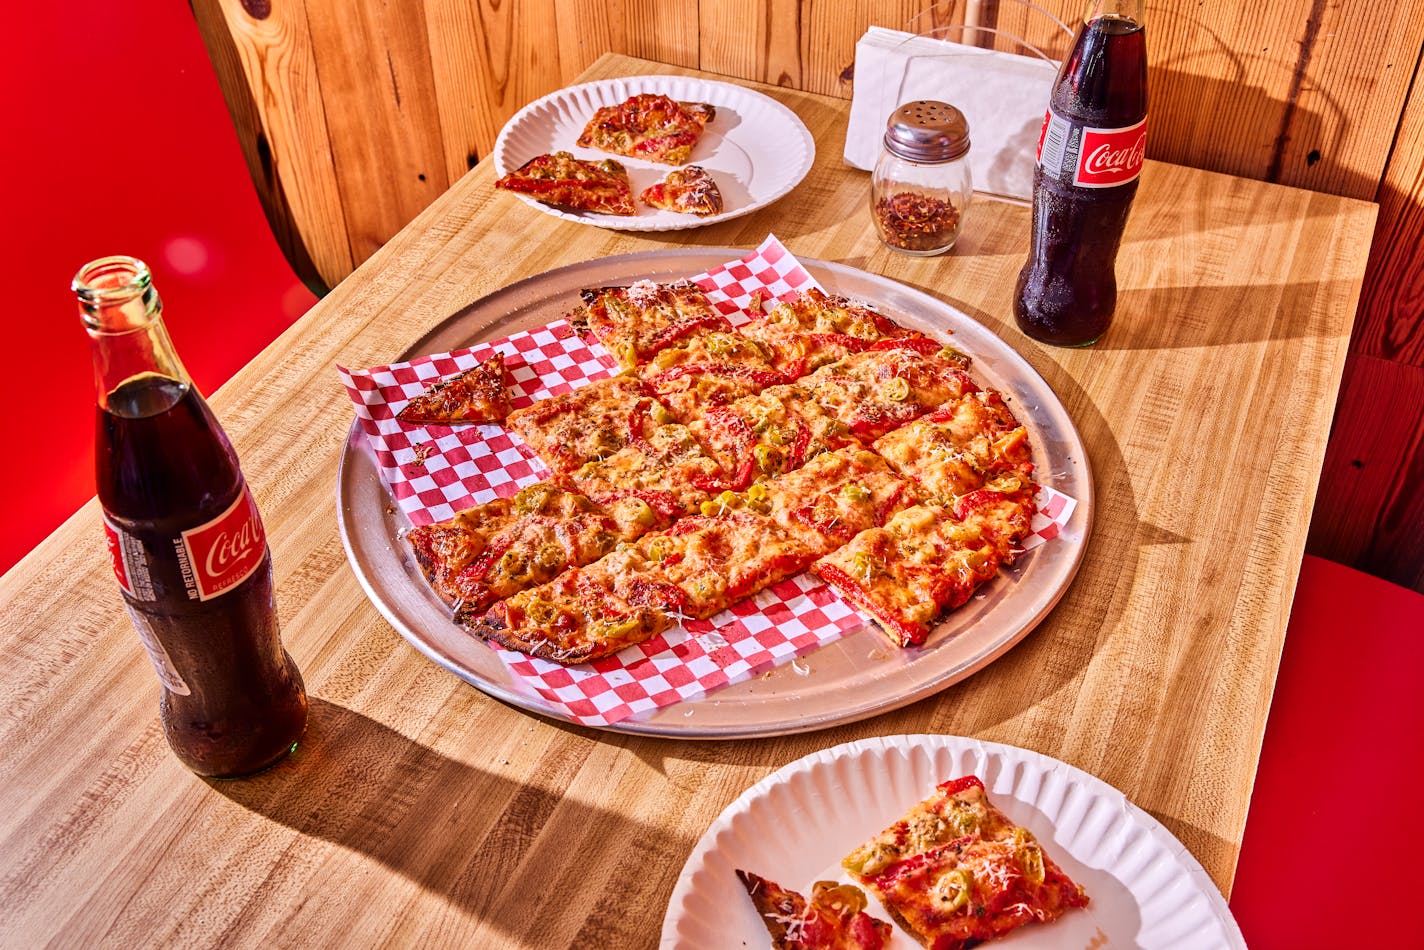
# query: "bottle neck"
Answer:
x=1128 y=13
x=123 y=316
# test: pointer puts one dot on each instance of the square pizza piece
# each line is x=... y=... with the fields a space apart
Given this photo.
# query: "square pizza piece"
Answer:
x=706 y=370
x=961 y=446
x=670 y=473
x=879 y=390
x=773 y=432
x=929 y=559
x=832 y=498
x=955 y=871
x=635 y=323
x=704 y=563
x=813 y=329
x=575 y=618
x=491 y=551
x=593 y=422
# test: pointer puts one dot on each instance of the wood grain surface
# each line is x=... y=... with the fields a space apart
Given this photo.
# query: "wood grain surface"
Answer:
x=418 y=811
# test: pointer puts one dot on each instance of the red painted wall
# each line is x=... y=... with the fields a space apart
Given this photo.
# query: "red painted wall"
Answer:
x=118 y=142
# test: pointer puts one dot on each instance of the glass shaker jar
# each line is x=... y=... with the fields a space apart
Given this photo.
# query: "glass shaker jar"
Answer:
x=921 y=185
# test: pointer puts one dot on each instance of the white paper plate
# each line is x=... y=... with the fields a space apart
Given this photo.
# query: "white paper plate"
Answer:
x=794 y=826
x=755 y=147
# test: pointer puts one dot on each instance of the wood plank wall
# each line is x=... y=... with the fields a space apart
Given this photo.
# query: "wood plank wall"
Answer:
x=354 y=116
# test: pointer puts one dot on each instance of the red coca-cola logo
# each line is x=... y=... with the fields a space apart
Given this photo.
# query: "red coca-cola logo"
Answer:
x=116 y=555
x=224 y=552
x=1111 y=156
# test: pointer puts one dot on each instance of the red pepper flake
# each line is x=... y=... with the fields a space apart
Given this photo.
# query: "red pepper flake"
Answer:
x=916 y=222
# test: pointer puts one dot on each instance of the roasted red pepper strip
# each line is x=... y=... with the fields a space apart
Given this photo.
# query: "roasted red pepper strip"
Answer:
x=920 y=344
x=782 y=565
x=668 y=335
x=478 y=569
x=660 y=594
x=800 y=444
x=762 y=378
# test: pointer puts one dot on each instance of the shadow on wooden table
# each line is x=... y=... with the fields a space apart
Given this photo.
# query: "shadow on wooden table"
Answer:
x=1172 y=317
x=495 y=849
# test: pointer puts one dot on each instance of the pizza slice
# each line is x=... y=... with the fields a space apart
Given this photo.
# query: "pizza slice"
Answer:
x=958 y=448
x=707 y=562
x=773 y=432
x=706 y=370
x=635 y=323
x=955 y=871
x=476 y=395
x=880 y=389
x=574 y=618
x=491 y=551
x=687 y=190
x=590 y=423
x=672 y=478
x=928 y=559
x=834 y=917
x=650 y=126
x=563 y=181
x=813 y=329
x=832 y=498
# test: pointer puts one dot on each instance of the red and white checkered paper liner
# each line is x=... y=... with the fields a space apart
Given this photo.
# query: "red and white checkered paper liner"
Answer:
x=434 y=471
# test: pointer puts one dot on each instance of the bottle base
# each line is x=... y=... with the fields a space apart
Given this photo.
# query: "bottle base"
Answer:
x=247 y=772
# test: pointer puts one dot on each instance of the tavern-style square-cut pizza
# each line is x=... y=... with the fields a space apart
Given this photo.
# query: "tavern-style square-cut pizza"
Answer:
x=819 y=436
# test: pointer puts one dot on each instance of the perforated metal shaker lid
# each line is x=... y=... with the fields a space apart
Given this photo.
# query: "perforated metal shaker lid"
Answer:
x=927 y=131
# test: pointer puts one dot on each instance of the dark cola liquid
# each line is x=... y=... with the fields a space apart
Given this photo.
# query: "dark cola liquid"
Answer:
x=163 y=466
x=1067 y=290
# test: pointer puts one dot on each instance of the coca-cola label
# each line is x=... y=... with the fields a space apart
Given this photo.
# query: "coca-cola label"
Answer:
x=223 y=553
x=130 y=562
x=1089 y=157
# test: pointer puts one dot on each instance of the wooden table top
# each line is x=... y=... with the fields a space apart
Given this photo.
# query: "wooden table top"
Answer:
x=419 y=808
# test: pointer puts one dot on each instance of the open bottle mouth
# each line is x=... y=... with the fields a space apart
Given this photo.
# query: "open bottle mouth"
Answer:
x=116 y=294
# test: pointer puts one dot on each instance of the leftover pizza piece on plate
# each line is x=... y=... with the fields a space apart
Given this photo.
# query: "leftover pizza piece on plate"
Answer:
x=930 y=558
x=955 y=871
x=561 y=180
x=492 y=550
x=687 y=190
x=476 y=395
x=834 y=917
x=813 y=329
x=650 y=126
x=637 y=322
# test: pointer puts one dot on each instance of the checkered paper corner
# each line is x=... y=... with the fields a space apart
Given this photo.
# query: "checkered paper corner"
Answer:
x=433 y=471
x=1054 y=510
x=777 y=625
x=771 y=272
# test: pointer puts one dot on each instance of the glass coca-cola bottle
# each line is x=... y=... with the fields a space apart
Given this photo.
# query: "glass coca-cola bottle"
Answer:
x=185 y=538
x=1089 y=156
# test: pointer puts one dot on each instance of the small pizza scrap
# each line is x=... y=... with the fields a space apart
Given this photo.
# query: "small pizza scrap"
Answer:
x=687 y=190
x=833 y=919
x=955 y=871
x=706 y=370
x=958 y=448
x=813 y=329
x=637 y=322
x=506 y=545
x=476 y=395
x=561 y=180
x=648 y=126
x=929 y=559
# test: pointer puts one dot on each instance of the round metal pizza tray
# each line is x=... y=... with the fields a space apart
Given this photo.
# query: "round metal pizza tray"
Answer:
x=855 y=677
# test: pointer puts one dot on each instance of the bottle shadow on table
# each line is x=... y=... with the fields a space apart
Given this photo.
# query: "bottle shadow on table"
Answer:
x=497 y=849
